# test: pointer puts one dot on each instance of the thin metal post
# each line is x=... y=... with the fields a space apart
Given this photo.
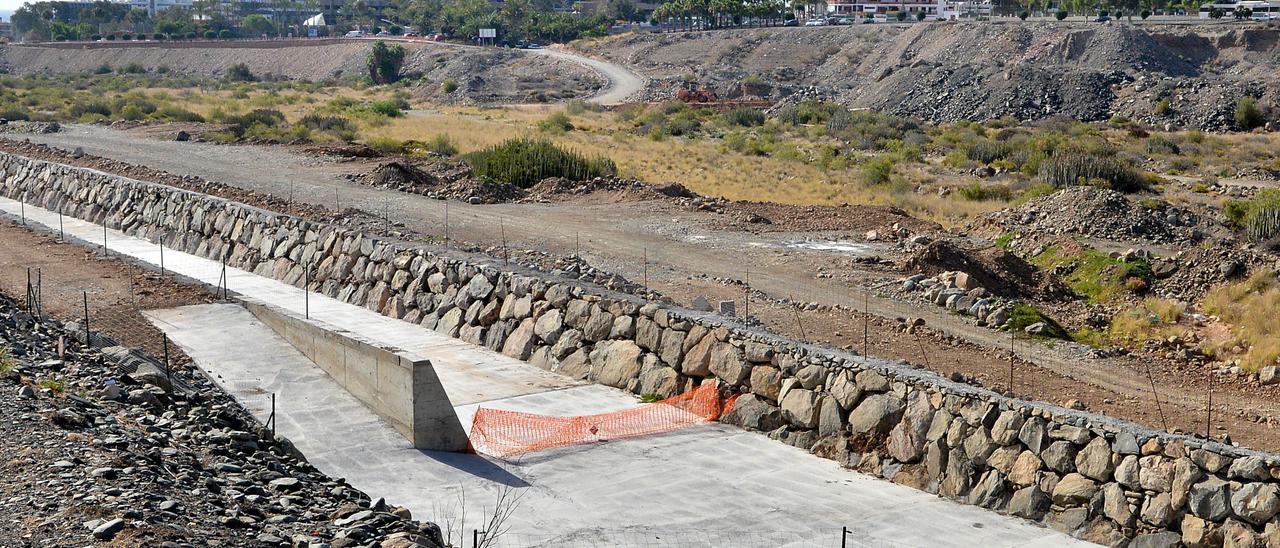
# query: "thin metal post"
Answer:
x=167 y=372
x=28 y=290
x=1208 y=419
x=290 y=193
x=503 y=229
x=23 y=207
x=273 y=416
x=224 y=276
x=866 y=321
x=62 y=236
x=747 y=309
x=337 y=202
x=87 y=333
x=844 y=537
x=386 y=213
x=446 y=223
x=306 y=290
x=646 y=269
x=162 y=255
x=1013 y=334
x=104 y=236
x=475 y=538
x=576 y=253
x=1156 y=394
x=795 y=309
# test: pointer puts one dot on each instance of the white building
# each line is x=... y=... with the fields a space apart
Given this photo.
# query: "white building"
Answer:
x=935 y=9
x=156 y=6
x=1227 y=7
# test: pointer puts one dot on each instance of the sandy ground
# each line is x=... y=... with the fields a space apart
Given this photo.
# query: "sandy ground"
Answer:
x=683 y=256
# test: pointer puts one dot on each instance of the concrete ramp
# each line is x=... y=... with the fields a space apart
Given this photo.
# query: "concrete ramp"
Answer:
x=400 y=387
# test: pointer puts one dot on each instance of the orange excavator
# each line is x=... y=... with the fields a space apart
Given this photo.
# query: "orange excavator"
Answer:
x=689 y=93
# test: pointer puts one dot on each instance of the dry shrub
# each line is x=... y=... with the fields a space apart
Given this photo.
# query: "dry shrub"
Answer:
x=1249 y=307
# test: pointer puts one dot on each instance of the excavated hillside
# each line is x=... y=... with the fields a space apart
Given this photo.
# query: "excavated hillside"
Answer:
x=483 y=75
x=953 y=71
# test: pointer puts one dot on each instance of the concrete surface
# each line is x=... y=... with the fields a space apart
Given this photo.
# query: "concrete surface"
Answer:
x=712 y=485
x=400 y=387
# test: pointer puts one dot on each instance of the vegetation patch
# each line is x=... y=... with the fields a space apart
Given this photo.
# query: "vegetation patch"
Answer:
x=1024 y=315
x=525 y=162
x=1249 y=307
x=1094 y=275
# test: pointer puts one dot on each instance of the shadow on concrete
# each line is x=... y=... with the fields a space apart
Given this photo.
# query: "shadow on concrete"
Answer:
x=477 y=466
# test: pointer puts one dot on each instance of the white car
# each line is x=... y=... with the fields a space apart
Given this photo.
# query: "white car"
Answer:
x=815 y=23
x=1263 y=16
x=355 y=34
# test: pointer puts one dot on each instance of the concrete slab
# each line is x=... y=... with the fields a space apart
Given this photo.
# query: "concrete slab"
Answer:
x=711 y=485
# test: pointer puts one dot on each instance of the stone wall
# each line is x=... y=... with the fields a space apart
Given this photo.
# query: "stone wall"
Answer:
x=1089 y=475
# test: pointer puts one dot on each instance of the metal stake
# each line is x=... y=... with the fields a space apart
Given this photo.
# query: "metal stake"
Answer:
x=87 y=334
x=306 y=290
x=23 y=207
x=62 y=236
x=446 y=223
x=747 y=309
x=167 y=372
x=503 y=229
x=162 y=256
x=646 y=269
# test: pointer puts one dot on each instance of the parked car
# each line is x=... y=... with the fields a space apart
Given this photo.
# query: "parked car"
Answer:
x=815 y=23
x=1102 y=19
x=1263 y=16
x=535 y=46
x=383 y=33
x=411 y=35
x=355 y=34
x=790 y=23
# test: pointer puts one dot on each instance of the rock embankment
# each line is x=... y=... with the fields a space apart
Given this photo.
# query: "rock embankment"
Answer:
x=1088 y=475
x=93 y=450
x=945 y=71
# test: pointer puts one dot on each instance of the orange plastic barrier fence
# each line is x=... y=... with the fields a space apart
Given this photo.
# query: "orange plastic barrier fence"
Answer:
x=509 y=433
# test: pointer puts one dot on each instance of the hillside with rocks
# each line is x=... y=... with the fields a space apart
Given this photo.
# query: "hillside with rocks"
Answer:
x=482 y=75
x=951 y=71
x=101 y=446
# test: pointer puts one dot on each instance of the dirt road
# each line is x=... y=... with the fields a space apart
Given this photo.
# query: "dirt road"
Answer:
x=623 y=82
x=677 y=250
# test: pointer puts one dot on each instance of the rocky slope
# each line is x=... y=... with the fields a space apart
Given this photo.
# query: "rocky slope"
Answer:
x=953 y=71
x=94 y=450
x=482 y=74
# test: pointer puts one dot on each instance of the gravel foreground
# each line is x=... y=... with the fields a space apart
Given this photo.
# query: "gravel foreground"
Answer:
x=92 y=452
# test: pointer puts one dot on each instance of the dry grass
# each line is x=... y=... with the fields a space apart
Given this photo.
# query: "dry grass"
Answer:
x=1153 y=319
x=700 y=164
x=1249 y=307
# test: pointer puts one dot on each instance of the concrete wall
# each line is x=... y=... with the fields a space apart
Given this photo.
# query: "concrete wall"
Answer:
x=1089 y=475
x=398 y=386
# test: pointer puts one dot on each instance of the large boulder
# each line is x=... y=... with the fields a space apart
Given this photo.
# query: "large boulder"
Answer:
x=1073 y=490
x=521 y=342
x=697 y=361
x=1029 y=502
x=1256 y=502
x=615 y=363
x=549 y=326
x=1095 y=460
x=844 y=389
x=800 y=408
x=1208 y=499
x=877 y=413
x=727 y=363
x=906 y=440
x=752 y=411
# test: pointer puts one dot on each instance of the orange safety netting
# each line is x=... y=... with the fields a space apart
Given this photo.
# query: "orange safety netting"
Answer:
x=508 y=433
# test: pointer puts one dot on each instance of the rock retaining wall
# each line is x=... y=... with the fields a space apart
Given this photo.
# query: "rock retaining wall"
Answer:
x=1089 y=475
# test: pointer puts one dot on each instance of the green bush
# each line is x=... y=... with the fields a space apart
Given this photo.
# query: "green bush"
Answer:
x=558 y=122
x=1248 y=115
x=866 y=130
x=449 y=86
x=578 y=106
x=176 y=114
x=1258 y=217
x=103 y=69
x=133 y=68
x=978 y=192
x=1077 y=167
x=808 y=112
x=1060 y=15
x=387 y=145
x=987 y=151
x=384 y=62
x=240 y=72
x=126 y=37
x=1024 y=315
x=15 y=112
x=442 y=145
x=224 y=34
x=1024 y=14
x=744 y=117
x=389 y=109
x=210 y=34
x=877 y=171
x=524 y=162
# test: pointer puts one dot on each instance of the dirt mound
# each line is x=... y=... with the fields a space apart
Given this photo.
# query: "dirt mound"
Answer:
x=438 y=178
x=1104 y=214
x=18 y=127
x=605 y=189
x=999 y=271
x=952 y=71
x=775 y=217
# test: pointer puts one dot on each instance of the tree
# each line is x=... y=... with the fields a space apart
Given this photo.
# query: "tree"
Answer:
x=1023 y=15
x=920 y=15
x=384 y=62
x=1060 y=15
x=1242 y=12
x=257 y=25
x=1215 y=13
x=1248 y=115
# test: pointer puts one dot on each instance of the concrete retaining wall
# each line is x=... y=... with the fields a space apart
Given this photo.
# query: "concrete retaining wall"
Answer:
x=1089 y=475
x=398 y=386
